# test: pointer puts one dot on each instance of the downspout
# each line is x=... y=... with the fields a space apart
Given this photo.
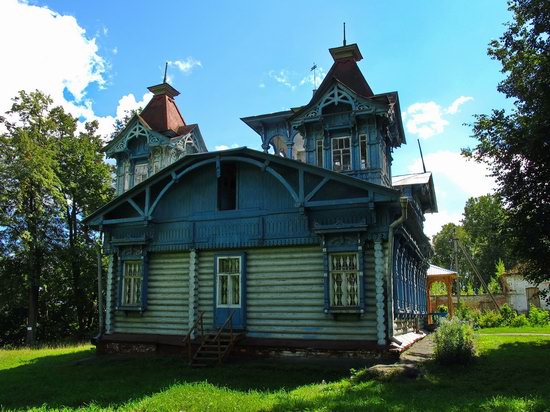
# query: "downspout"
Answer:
x=100 y=288
x=389 y=269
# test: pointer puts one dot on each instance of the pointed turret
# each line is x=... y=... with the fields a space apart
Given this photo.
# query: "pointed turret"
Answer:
x=162 y=113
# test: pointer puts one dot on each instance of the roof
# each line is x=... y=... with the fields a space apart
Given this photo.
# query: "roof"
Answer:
x=162 y=114
x=381 y=192
x=434 y=270
x=412 y=179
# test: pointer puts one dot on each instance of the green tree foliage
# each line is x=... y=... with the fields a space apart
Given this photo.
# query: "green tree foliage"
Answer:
x=485 y=223
x=516 y=144
x=483 y=234
x=51 y=175
x=444 y=254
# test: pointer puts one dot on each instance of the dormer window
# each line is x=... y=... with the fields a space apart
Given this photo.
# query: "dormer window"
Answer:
x=341 y=154
x=141 y=173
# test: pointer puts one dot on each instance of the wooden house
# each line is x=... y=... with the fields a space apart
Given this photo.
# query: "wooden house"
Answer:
x=315 y=245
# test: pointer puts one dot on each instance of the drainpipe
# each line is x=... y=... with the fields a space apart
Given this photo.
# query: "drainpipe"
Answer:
x=100 y=289
x=389 y=269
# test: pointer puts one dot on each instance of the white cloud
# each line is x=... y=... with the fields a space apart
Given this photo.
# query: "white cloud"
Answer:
x=425 y=119
x=225 y=147
x=435 y=221
x=47 y=51
x=261 y=85
x=428 y=119
x=282 y=77
x=470 y=177
x=186 y=65
x=125 y=105
x=454 y=107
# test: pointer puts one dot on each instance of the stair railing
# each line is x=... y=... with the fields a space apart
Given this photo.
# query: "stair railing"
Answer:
x=217 y=339
x=199 y=327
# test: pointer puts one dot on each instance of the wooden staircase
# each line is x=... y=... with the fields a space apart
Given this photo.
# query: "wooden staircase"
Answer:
x=215 y=345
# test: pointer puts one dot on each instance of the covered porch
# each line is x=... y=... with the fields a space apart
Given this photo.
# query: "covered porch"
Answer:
x=445 y=276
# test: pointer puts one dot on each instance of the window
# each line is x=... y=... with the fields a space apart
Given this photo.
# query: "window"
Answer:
x=341 y=154
x=141 y=173
x=344 y=280
x=131 y=283
x=319 y=150
x=363 y=148
x=227 y=187
x=229 y=281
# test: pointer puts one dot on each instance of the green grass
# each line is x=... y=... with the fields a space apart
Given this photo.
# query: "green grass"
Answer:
x=510 y=329
x=510 y=374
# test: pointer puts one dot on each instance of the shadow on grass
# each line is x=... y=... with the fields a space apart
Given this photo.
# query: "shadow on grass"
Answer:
x=510 y=377
x=83 y=378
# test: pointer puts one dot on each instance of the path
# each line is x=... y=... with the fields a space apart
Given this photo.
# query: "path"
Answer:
x=419 y=352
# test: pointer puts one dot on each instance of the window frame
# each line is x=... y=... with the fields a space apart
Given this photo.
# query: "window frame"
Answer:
x=131 y=257
x=341 y=153
x=333 y=271
x=320 y=152
x=329 y=250
x=230 y=276
x=146 y=175
x=363 y=159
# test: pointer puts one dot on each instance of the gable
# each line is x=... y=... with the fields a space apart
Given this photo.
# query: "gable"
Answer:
x=278 y=181
x=136 y=129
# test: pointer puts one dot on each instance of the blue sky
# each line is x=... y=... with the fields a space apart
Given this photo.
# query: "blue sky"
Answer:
x=236 y=59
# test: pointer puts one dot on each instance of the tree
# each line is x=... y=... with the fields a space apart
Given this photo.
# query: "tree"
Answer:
x=52 y=176
x=85 y=185
x=516 y=145
x=30 y=192
x=444 y=254
x=485 y=223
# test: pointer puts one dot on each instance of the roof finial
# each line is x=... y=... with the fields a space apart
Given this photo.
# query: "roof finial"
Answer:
x=344 y=33
x=165 y=72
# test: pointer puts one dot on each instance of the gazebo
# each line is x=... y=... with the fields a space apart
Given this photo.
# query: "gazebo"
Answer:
x=438 y=274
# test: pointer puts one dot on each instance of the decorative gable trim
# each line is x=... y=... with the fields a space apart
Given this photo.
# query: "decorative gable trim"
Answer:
x=337 y=94
x=136 y=128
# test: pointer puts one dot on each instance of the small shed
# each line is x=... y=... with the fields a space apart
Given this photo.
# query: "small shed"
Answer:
x=439 y=274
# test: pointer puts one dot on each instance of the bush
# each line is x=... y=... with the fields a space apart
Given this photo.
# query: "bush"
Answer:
x=442 y=309
x=454 y=342
x=490 y=319
x=508 y=314
x=538 y=317
x=519 y=321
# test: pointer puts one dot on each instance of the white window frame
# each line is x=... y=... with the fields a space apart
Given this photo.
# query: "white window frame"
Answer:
x=230 y=280
x=364 y=159
x=339 y=152
x=319 y=153
x=141 y=165
x=345 y=273
x=134 y=281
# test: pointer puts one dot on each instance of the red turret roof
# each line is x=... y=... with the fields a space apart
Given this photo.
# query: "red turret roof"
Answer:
x=162 y=113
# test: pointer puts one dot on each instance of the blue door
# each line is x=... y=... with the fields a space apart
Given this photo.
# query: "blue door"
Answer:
x=229 y=290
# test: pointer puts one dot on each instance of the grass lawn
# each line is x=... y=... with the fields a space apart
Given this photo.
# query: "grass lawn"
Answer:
x=509 y=329
x=511 y=374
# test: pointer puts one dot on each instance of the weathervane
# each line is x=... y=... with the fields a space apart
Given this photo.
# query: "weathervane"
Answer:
x=314 y=70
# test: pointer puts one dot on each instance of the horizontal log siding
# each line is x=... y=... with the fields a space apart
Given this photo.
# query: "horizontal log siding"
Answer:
x=167 y=310
x=285 y=297
x=205 y=268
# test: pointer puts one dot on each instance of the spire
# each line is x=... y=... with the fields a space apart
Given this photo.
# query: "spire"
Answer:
x=166 y=70
x=344 y=35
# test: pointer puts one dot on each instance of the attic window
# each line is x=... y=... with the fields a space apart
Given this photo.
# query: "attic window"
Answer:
x=227 y=187
x=341 y=154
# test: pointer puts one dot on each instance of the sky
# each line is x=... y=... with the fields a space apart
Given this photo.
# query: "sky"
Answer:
x=242 y=58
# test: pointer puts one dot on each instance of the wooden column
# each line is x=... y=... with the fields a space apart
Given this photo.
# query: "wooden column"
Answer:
x=448 y=283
